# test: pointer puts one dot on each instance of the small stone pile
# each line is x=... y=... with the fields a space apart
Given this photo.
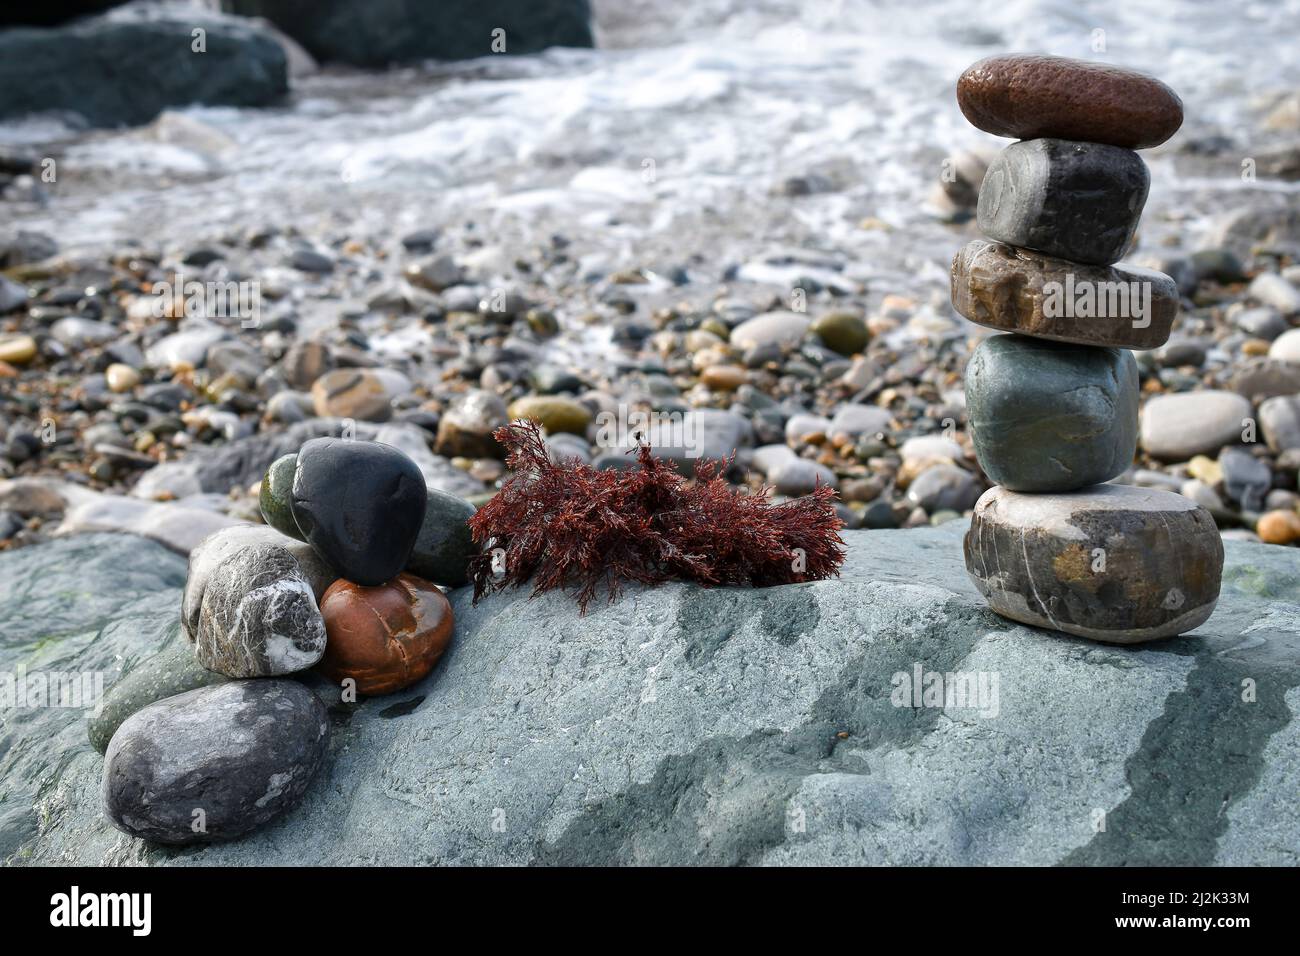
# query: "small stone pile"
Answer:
x=1053 y=404
x=213 y=738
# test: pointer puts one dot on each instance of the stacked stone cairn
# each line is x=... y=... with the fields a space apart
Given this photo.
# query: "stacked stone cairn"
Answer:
x=337 y=599
x=1053 y=404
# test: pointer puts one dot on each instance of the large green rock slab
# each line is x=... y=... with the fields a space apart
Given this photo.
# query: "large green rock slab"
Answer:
x=777 y=726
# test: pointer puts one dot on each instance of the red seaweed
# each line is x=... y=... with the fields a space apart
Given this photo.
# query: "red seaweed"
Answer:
x=567 y=525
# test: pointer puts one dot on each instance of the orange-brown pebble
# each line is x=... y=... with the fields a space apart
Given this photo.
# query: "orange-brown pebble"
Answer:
x=1029 y=96
x=1278 y=527
x=385 y=637
x=724 y=378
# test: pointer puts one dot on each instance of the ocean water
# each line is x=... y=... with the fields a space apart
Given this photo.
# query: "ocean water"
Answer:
x=670 y=143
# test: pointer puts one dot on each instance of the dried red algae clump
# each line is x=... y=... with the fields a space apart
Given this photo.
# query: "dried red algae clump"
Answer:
x=567 y=524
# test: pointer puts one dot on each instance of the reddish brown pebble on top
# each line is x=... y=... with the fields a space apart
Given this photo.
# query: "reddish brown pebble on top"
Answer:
x=385 y=637
x=1028 y=97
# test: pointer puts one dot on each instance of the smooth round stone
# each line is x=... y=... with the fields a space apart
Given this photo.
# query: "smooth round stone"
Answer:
x=1278 y=527
x=121 y=378
x=1177 y=427
x=1029 y=96
x=1286 y=347
x=724 y=378
x=943 y=487
x=173 y=670
x=364 y=394
x=1072 y=200
x=1246 y=479
x=360 y=505
x=783 y=330
x=796 y=477
x=275 y=498
x=1273 y=290
x=466 y=428
x=1279 y=421
x=553 y=412
x=384 y=638
x=444 y=545
x=17 y=349
x=854 y=419
x=1047 y=416
x=843 y=332
x=214 y=763
x=1263 y=378
x=799 y=426
x=1113 y=563
x=1018 y=290
x=256 y=613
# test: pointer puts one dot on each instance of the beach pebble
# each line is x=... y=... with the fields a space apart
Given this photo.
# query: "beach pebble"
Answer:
x=724 y=378
x=843 y=332
x=1017 y=290
x=774 y=329
x=943 y=487
x=799 y=476
x=214 y=763
x=1047 y=416
x=1271 y=289
x=855 y=419
x=187 y=348
x=384 y=638
x=929 y=447
x=1246 y=479
x=1278 y=527
x=444 y=545
x=1262 y=323
x=1279 y=421
x=121 y=378
x=1286 y=347
x=12 y=295
x=800 y=426
x=173 y=670
x=555 y=413
x=466 y=427
x=252 y=613
x=1027 y=96
x=1113 y=562
x=359 y=393
x=1176 y=427
x=275 y=496
x=360 y=506
x=1072 y=200
x=1262 y=378
x=17 y=349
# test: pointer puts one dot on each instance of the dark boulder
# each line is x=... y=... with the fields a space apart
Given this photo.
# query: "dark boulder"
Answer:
x=124 y=70
x=51 y=13
x=378 y=32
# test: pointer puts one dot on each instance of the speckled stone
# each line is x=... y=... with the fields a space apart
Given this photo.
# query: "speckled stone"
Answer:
x=1048 y=416
x=250 y=602
x=1028 y=97
x=1072 y=200
x=1113 y=563
x=173 y=670
x=275 y=496
x=384 y=638
x=215 y=763
x=1018 y=290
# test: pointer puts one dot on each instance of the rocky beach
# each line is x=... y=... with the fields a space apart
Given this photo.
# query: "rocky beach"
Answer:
x=255 y=357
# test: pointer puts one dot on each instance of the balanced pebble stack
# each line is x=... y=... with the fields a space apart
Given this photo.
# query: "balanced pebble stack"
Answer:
x=208 y=742
x=1053 y=403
